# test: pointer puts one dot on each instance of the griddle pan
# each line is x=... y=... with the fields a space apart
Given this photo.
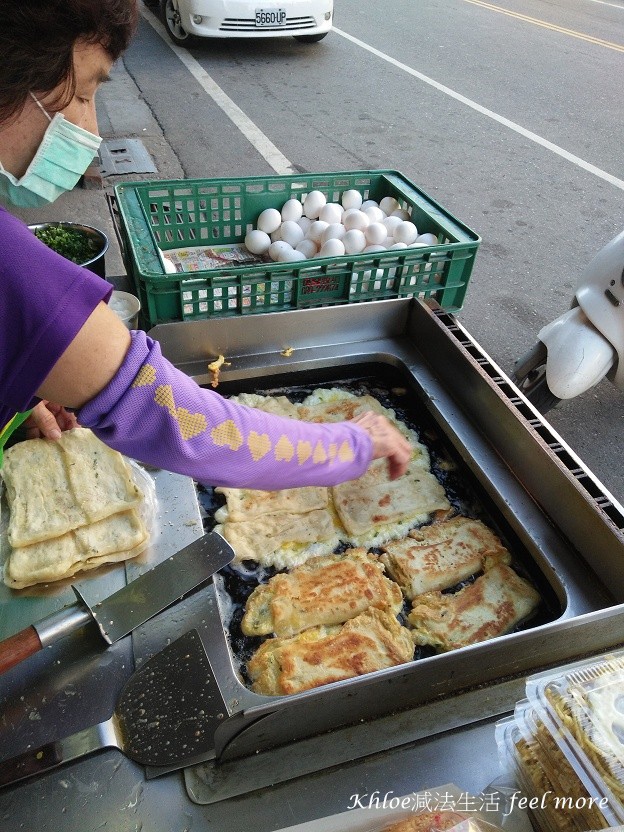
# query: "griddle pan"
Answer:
x=166 y=715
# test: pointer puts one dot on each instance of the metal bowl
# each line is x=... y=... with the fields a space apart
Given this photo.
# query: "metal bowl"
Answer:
x=97 y=262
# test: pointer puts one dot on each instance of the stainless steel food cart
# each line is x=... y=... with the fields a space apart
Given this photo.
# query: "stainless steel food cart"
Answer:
x=281 y=761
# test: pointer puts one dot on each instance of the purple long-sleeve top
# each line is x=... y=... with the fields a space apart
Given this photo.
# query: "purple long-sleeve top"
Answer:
x=150 y=410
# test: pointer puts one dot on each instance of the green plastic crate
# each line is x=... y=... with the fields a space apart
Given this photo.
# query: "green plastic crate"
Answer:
x=194 y=212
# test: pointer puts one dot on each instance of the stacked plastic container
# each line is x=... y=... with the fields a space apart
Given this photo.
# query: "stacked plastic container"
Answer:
x=565 y=745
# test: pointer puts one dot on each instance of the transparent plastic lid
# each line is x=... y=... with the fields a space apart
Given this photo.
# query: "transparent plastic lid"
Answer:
x=582 y=706
x=570 y=796
x=517 y=758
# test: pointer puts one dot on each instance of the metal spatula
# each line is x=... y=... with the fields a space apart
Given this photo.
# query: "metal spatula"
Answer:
x=166 y=715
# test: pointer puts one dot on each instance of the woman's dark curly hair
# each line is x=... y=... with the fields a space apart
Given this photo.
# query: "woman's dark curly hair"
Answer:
x=37 y=39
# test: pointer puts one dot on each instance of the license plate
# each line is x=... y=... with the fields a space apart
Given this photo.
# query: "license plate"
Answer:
x=270 y=17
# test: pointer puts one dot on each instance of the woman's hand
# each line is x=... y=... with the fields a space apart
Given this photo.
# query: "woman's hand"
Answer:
x=387 y=442
x=48 y=420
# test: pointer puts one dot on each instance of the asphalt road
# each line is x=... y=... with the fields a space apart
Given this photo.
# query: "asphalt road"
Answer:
x=509 y=115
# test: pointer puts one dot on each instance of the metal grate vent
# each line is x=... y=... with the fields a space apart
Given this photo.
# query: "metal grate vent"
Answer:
x=121 y=156
x=585 y=479
x=293 y=24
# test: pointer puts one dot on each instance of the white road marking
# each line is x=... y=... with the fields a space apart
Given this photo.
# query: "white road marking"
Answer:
x=283 y=166
x=251 y=131
x=604 y=3
x=517 y=128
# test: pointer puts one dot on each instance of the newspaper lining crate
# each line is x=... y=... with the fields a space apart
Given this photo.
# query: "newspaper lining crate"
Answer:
x=156 y=217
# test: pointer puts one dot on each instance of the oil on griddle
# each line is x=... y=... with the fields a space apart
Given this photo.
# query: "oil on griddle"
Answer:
x=463 y=491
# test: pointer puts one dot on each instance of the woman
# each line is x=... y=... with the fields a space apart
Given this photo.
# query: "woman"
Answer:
x=59 y=342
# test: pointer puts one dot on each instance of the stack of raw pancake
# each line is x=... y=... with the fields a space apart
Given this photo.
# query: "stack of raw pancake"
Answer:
x=74 y=506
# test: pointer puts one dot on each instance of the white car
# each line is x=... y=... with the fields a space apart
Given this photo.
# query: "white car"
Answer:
x=307 y=21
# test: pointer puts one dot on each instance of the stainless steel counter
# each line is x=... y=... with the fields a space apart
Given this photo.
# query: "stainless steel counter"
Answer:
x=443 y=735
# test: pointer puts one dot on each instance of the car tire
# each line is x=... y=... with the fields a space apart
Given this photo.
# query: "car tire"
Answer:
x=311 y=38
x=171 y=18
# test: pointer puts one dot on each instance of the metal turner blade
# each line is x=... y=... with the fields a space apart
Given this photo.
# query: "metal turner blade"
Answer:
x=166 y=715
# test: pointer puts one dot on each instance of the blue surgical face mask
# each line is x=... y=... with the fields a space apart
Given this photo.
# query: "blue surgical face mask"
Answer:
x=65 y=152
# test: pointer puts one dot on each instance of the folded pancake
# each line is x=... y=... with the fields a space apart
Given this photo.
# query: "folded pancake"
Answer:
x=442 y=554
x=116 y=538
x=55 y=487
x=245 y=503
x=338 y=406
x=429 y=822
x=372 y=641
x=261 y=537
x=489 y=607
x=324 y=590
x=373 y=501
x=280 y=405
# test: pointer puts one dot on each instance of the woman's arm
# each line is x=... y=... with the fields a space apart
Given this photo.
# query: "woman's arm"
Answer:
x=138 y=403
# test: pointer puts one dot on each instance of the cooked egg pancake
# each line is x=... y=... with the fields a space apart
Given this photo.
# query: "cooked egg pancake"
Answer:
x=280 y=405
x=259 y=538
x=324 y=590
x=338 y=406
x=335 y=405
x=489 y=607
x=442 y=554
x=245 y=503
x=428 y=822
x=372 y=641
x=373 y=500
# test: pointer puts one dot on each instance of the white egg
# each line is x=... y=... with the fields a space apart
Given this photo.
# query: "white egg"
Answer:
x=331 y=213
x=276 y=235
x=369 y=203
x=391 y=223
x=388 y=242
x=357 y=220
x=332 y=248
x=313 y=203
x=169 y=266
x=405 y=232
x=315 y=231
x=334 y=231
x=376 y=233
x=427 y=239
x=257 y=242
x=307 y=247
x=269 y=220
x=396 y=246
x=292 y=233
x=277 y=247
x=305 y=223
x=288 y=255
x=389 y=204
x=354 y=241
x=401 y=213
x=347 y=213
x=292 y=210
x=374 y=214
x=351 y=199
x=373 y=248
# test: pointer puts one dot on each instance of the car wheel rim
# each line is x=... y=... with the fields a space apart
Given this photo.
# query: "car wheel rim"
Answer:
x=174 y=22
